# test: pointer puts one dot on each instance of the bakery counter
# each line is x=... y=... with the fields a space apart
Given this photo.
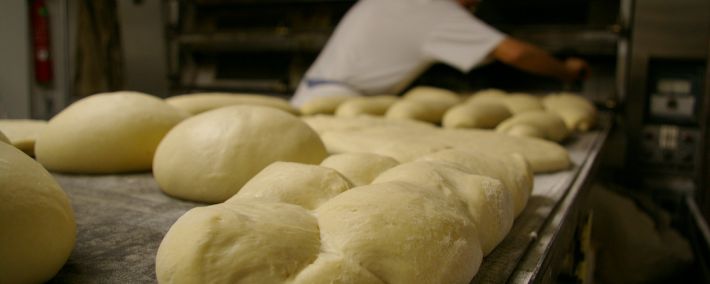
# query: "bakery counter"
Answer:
x=121 y=220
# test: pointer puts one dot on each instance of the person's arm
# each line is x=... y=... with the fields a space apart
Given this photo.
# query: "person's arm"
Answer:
x=533 y=59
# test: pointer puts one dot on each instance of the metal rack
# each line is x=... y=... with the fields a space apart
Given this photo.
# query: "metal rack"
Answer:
x=256 y=46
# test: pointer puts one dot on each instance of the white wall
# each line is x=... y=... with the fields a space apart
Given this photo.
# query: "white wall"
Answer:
x=144 y=46
x=14 y=60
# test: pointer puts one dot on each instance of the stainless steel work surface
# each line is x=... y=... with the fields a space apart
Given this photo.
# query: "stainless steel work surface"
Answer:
x=121 y=220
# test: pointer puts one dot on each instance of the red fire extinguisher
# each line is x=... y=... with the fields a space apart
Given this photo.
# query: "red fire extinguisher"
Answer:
x=40 y=42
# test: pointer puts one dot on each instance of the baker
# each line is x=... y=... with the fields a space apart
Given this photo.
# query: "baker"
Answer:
x=381 y=46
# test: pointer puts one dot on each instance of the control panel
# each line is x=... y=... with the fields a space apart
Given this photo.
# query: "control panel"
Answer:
x=670 y=147
x=671 y=131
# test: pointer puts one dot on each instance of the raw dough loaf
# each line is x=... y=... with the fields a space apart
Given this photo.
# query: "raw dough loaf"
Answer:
x=326 y=99
x=368 y=234
x=250 y=241
x=423 y=103
x=524 y=130
x=23 y=133
x=106 y=133
x=428 y=111
x=548 y=124
x=425 y=93
x=326 y=123
x=402 y=233
x=476 y=114
x=488 y=201
x=359 y=168
x=512 y=170
x=372 y=105
x=543 y=156
x=201 y=102
x=519 y=103
x=210 y=156
x=304 y=185
x=406 y=143
x=488 y=96
x=578 y=113
x=37 y=222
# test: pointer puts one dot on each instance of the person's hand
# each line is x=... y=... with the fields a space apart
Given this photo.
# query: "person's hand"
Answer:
x=577 y=69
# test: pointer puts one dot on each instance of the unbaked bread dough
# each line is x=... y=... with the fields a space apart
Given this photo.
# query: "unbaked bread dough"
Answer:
x=406 y=143
x=210 y=156
x=488 y=201
x=23 y=132
x=325 y=99
x=489 y=96
x=106 y=133
x=304 y=185
x=550 y=125
x=525 y=130
x=578 y=113
x=402 y=233
x=359 y=168
x=427 y=93
x=327 y=123
x=421 y=110
x=543 y=156
x=37 y=229
x=368 y=234
x=200 y=102
x=250 y=241
x=476 y=114
x=519 y=103
x=423 y=103
x=372 y=105
x=335 y=268
x=512 y=170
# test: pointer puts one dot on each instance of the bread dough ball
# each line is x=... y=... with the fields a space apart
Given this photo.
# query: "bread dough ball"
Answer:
x=201 y=102
x=327 y=101
x=106 y=133
x=524 y=130
x=336 y=268
x=210 y=156
x=327 y=123
x=402 y=144
x=519 y=103
x=23 y=133
x=477 y=114
x=402 y=233
x=37 y=221
x=405 y=143
x=359 y=168
x=511 y=169
x=550 y=125
x=304 y=185
x=246 y=241
x=426 y=93
x=428 y=111
x=423 y=103
x=488 y=201
x=372 y=105
x=578 y=113
x=488 y=96
x=543 y=156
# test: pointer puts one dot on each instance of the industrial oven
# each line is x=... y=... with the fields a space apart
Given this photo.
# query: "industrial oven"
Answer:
x=667 y=111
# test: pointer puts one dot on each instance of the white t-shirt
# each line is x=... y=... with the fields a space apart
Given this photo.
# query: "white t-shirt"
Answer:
x=381 y=46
